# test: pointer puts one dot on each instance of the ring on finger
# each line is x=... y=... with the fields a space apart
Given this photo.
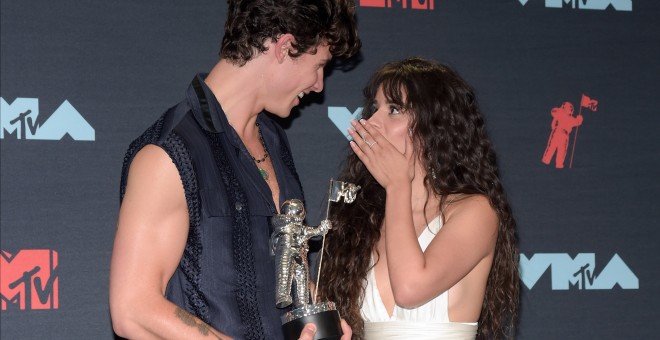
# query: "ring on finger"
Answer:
x=371 y=144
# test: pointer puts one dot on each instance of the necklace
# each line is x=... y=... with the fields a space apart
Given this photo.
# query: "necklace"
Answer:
x=263 y=172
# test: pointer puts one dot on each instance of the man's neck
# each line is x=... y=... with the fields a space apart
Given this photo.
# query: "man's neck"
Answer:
x=237 y=92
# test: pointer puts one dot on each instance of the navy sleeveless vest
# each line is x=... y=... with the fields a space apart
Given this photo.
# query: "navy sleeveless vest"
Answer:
x=226 y=276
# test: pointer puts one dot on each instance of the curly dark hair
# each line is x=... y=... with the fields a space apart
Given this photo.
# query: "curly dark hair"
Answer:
x=449 y=137
x=250 y=23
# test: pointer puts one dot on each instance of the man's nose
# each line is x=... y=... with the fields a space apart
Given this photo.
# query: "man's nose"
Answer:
x=318 y=85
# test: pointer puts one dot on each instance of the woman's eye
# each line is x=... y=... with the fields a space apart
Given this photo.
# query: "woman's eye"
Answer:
x=394 y=110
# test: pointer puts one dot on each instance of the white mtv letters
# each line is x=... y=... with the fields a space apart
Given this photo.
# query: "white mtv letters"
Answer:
x=580 y=272
x=619 y=5
x=20 y=118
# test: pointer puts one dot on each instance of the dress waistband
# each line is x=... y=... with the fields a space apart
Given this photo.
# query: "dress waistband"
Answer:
x=420 y=330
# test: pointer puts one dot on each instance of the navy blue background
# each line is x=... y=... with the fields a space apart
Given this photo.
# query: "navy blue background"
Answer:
x=122 y=63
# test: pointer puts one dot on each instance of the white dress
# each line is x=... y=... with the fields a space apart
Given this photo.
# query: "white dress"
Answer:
x=428 y=321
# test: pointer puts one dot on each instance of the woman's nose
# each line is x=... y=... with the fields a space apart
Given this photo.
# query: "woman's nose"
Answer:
x=374 y=119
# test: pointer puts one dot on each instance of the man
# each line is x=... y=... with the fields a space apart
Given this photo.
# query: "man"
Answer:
x=191 y=255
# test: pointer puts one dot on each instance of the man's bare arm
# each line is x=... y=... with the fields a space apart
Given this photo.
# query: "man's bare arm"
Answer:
x=151 y=235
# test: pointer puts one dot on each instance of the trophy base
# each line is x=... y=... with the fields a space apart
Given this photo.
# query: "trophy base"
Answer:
x=324 y=315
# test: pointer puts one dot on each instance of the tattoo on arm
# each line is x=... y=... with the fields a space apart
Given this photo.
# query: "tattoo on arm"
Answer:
x=191 y=321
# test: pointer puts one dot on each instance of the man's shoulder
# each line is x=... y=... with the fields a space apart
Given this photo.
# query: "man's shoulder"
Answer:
x=162 y=130
x=176 y=119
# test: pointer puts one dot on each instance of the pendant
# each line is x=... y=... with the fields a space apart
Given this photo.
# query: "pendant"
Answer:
x=263 y=173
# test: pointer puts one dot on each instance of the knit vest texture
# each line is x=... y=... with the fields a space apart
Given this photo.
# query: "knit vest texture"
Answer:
x=226 y=276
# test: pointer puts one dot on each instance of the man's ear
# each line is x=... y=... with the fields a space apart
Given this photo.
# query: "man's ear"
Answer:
x=283 y=45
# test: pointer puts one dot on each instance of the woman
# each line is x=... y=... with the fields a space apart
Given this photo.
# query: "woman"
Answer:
x=428 y=249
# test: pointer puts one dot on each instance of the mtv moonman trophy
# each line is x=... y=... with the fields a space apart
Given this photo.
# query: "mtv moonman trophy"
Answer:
x=289 y=244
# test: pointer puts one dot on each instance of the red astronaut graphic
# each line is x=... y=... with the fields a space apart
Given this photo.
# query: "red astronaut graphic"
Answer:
x=562 y=124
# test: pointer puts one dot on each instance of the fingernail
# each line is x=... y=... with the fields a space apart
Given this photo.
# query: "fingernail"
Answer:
x=362 y=121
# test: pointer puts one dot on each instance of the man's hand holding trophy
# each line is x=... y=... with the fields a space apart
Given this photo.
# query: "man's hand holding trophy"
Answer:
x=289 y=244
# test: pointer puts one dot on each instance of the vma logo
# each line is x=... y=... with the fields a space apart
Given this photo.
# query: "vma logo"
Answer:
x=28 y=280
x=578 y=272
x=412 y=4
x=342 y=116
x=563 y=122
x=618 y=5
x=21 y=120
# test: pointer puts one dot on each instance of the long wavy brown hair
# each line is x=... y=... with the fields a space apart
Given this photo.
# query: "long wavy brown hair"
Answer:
x=449 y=137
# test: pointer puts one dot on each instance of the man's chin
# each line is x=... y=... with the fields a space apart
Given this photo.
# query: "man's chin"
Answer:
x=282 y=114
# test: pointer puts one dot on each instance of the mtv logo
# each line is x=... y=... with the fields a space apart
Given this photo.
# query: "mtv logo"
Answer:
x=20 y=119
x=579 y=272
x=342 y=117
x=619 y=5
x=414 y=4
x=29 y=279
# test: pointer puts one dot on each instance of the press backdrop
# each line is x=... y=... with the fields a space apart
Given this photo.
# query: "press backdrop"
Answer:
x=80 y=79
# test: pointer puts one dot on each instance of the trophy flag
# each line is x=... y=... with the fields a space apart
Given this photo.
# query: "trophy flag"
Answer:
x=336 y=191
x=340 y=189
